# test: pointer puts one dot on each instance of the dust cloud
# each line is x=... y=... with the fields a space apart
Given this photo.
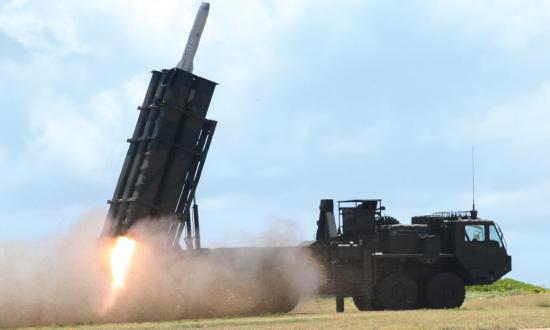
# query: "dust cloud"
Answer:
x=65 y=279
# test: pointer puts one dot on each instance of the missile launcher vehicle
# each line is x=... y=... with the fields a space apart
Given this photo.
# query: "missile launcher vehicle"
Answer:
x=383 y=264
x=361 y=252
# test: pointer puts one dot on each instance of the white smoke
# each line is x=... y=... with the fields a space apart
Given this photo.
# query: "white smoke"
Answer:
x=65 y=279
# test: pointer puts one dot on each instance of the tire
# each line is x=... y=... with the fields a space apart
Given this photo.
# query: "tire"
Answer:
x=280 y=294
x=361 y=303
x=445 y=290
x=397 y=292
x=364 y=304
x=286 y=303
x=387 y=220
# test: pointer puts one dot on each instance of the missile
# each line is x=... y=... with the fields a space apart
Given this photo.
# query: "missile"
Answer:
x=186 y=62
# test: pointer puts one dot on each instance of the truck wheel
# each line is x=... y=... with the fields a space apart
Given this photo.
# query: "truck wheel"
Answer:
x=445 y=290
x=363 y=304
x=286 y=303
x=398 y=291
x=387 y=220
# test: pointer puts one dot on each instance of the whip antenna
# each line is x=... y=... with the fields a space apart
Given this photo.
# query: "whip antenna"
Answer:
x=473 y=212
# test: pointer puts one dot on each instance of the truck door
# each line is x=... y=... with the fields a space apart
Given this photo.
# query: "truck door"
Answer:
x=481 y=252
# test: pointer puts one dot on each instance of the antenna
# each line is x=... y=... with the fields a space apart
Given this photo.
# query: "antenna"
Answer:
x=473 y=212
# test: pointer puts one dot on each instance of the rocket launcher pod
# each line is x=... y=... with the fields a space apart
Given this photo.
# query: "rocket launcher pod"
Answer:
x=167 y=150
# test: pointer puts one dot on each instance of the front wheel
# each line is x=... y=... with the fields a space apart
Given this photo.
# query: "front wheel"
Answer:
x=445 y=290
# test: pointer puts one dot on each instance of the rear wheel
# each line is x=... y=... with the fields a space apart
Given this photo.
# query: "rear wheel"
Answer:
x=398 y=291
x=285 y=303
x=361 y=303
x=364 y=304
x=445 y=290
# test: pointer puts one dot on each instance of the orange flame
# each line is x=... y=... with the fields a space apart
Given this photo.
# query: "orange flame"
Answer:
x=120 y=261
x=120 y=258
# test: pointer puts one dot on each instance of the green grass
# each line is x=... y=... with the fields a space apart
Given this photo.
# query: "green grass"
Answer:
x=503 y=287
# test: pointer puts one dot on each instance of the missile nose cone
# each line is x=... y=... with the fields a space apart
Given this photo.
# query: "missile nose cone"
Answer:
x=205 y=6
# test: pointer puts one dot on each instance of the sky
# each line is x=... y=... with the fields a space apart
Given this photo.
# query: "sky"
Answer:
x=316 y=99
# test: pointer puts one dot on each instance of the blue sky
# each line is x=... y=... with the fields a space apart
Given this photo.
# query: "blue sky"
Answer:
x=317 y=99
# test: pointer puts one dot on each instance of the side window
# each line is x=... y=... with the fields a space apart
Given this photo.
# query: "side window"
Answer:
x=474 y=233
x=494 y=236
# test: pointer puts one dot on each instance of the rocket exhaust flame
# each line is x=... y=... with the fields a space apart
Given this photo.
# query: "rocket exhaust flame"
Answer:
x=120 y=262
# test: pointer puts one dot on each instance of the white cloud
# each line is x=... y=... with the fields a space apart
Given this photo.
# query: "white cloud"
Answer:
x=524 y=120
x=78 y=138
x=61 y=132
x=532 y=197
x=54 y=32
x=510 y=23
x=81 y=134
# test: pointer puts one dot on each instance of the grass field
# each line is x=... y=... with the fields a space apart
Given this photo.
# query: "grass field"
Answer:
x=507 y=304
x=506 y=286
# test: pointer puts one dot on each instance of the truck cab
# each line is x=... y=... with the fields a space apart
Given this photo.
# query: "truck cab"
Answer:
x=477 y=245
x=480 y=248
x=384 y=264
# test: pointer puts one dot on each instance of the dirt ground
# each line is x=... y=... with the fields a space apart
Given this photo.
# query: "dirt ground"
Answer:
x=478 y=312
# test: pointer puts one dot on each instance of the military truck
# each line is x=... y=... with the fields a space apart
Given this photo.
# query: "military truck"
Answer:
x=383 y=264
x=366 y=255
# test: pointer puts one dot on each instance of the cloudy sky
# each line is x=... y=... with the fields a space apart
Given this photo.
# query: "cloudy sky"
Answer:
x=317 y=99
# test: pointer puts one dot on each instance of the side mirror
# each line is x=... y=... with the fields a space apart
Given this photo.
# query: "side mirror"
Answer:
x=382 y=208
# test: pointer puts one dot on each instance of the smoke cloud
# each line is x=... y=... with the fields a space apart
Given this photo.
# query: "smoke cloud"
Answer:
x=65 y=279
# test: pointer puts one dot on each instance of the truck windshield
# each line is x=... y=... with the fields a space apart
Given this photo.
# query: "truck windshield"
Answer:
x=501 y=238
x=495 y=236
x=474 y=233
